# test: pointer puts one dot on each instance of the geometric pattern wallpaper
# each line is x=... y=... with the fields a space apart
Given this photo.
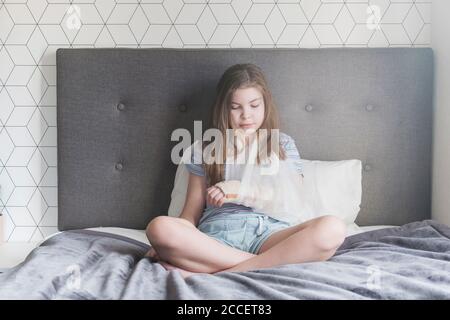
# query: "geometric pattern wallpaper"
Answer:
x=31 y=31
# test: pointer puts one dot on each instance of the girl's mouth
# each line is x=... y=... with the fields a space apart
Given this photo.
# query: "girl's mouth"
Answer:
x=246 y=125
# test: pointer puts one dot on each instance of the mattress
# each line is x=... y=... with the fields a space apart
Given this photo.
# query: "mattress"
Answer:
x=139 y=235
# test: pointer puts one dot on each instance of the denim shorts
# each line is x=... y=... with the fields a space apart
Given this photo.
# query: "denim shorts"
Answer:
x=245 y=231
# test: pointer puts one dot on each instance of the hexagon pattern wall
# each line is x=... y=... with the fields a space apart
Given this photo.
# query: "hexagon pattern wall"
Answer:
x=31 y=31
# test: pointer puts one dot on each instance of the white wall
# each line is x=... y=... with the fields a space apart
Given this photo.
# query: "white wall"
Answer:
x=441 y=145
x=32 y=30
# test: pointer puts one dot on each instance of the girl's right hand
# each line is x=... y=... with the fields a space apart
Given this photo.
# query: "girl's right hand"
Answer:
x=215 y=196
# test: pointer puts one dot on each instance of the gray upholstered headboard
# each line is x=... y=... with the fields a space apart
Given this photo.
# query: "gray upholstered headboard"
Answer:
x=117 y=108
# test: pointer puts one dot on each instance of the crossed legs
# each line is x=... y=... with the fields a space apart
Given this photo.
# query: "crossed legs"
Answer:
x=180 y=245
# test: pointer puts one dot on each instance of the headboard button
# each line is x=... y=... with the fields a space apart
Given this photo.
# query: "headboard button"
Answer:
x=309 y=108
x=121 y=107
x=367 y=167
x=369 y=107
x=119 y=166
x=182 y=108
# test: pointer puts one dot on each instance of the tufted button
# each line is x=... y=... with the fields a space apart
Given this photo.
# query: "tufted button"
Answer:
x=309 y=108
x=369 y=107
x=120 y=107
x=182 y=108
x=119 y=166
x=367 y=167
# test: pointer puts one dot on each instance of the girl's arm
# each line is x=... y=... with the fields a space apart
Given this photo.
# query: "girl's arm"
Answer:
x=195 y=199
x=252 y=197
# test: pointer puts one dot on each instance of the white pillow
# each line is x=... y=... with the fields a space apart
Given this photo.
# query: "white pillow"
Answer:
x=329 y=188
x=179 y=191
x=333 y=188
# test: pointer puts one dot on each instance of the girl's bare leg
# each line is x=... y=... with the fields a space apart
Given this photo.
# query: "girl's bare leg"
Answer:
x=180 y=244
x=285 y=233
x=315 y=240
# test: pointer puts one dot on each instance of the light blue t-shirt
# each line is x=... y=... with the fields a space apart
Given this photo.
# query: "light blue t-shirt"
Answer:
x=195 y=167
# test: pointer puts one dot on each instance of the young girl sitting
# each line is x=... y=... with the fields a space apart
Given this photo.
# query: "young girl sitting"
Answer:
x=227 y=236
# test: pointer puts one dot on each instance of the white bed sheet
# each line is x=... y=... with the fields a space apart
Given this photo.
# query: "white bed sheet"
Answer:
x=355 y=229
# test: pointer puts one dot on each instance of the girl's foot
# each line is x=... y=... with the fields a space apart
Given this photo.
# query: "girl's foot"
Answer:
x=152 y=254
x=184 y=273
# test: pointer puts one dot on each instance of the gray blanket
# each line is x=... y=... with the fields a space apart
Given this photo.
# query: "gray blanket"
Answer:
x=407 y=262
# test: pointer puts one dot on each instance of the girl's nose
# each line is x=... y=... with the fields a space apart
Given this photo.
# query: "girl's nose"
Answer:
x=245 y=113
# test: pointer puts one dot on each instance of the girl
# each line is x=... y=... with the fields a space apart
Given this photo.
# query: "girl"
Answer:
x=232 y=237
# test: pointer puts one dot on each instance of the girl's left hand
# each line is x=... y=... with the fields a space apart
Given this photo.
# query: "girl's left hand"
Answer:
x=215 y=196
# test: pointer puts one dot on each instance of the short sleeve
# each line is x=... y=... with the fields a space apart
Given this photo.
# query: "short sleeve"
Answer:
x=291 y=150
x=195 y=165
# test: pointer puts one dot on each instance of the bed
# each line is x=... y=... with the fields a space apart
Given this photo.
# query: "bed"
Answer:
x=116 y=110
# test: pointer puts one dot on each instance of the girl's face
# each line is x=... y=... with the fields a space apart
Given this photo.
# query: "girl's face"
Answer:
x=247 y=109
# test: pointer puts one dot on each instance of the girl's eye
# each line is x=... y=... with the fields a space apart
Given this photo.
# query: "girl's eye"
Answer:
x=234 y=107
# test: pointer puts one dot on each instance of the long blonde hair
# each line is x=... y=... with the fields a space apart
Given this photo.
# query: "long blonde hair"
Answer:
x=240 y=76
